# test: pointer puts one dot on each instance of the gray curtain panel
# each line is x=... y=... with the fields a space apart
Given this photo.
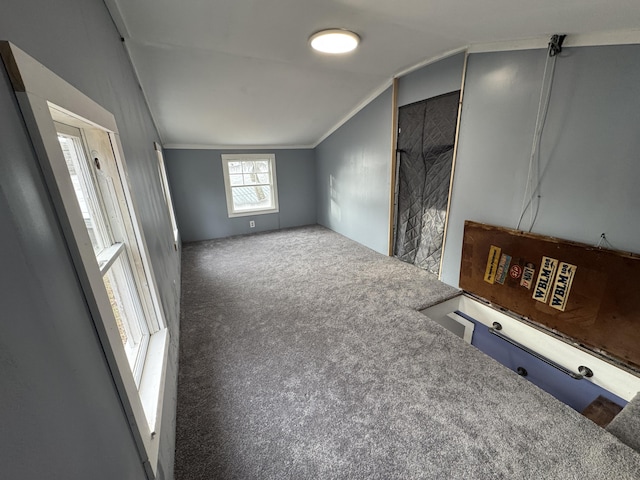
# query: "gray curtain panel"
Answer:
x=425 y=143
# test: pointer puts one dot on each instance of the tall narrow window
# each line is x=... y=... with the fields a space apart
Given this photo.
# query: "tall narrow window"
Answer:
x=96 y=193
x=162 y=172
x=250 y=184
x=82 y=161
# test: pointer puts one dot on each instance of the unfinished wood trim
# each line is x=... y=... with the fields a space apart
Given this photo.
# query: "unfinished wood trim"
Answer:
x=30 y=76
x=601 y=411
x=453 y=163
x=12 y=66
x=394 y=147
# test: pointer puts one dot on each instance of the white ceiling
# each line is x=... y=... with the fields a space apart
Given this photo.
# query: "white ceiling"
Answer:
x=240 y=73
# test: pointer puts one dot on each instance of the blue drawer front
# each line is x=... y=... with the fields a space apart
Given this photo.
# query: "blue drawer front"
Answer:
x=575 y=393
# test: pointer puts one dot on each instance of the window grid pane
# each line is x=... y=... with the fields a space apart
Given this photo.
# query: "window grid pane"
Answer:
x=235 y=167
x=125 y=336
x=236 y=179
x=89 y=204
x=255 y=179
x=252 y=197
x=262 y=166
x=247 y=167
x=127 y=310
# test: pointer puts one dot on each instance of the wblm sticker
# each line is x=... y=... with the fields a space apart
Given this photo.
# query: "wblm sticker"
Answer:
x=545 y=277
x=562 y=286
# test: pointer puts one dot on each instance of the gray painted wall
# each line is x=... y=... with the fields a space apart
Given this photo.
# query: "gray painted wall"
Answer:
x=589 y=149
x=197 y=185
x=432 y=80
x=353 y=176
x=354 y=163
x=590 y=160
x=59 y=410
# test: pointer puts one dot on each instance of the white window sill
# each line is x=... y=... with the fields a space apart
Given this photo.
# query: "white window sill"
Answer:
x=152 y=390
x=253 y=212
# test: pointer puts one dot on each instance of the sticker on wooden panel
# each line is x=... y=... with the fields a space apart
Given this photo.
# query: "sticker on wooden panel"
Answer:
x=562 y=286
x=503 y=268
x=545 y=277
x=492 y=264
x=515 y=271
x=592 y=300
x=527 y=276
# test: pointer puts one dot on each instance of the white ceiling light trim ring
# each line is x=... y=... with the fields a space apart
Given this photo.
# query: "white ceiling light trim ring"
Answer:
x=334 y=40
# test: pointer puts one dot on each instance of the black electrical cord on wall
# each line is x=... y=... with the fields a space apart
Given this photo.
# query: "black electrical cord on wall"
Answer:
x=533 y=177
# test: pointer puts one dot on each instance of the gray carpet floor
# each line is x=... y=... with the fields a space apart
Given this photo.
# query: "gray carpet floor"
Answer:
x=303 y=356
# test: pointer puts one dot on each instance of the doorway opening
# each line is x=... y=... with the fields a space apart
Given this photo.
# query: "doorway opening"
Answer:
x=425 y=152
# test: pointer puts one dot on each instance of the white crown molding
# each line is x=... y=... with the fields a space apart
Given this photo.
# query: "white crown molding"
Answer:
x=196 y=146
x=622 y=37
x=386 y=85
x=429 y=61
x=118 y=18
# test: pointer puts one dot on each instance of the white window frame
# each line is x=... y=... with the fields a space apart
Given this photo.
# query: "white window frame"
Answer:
x=162 y=171
x=41 y=94
x=103 y=185
x=240 y=157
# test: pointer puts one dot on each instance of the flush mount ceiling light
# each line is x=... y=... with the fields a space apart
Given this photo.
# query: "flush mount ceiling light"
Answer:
x=334 y=40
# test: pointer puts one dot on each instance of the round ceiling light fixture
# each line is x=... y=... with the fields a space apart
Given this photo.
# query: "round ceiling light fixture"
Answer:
x=334 y=40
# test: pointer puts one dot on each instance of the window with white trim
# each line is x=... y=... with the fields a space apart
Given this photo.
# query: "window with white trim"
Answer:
x=162 y=172
x=82 y=161
x=97 y=187
x=250 y=183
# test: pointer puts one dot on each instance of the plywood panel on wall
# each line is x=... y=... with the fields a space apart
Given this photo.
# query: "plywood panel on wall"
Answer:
x=586 y=293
